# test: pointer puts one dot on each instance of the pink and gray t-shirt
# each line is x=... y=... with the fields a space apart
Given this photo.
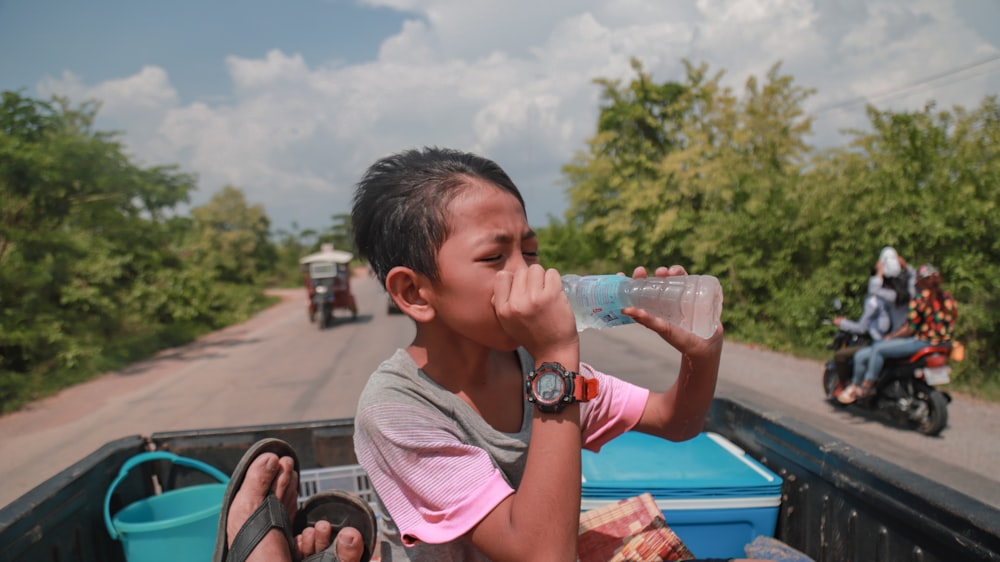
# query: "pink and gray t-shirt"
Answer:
x=439 y=468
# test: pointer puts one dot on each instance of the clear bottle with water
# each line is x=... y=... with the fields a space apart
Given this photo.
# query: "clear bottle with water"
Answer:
x=693 y=302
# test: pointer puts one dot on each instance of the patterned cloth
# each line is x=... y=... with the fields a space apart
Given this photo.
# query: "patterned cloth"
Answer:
x=768 y=548
x=630 y=530
x=933 y=320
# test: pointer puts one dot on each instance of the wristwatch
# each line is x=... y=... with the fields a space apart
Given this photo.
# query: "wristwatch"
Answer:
x=551 y=387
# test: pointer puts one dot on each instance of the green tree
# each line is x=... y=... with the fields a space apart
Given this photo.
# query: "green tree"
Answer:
x=564 y=246
x=79 y=230
x=232 y=238
x=339 y=234
x=926 y=182
x=290 y=245
x=691 y=173
x=732 y=192
x=636 y=129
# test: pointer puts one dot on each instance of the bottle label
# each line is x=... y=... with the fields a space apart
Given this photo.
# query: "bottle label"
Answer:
x=597 y=298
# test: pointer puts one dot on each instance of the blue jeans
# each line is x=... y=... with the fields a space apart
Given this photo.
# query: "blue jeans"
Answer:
x=868 y=361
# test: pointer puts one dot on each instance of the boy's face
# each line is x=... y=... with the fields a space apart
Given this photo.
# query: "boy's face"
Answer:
x=488 y=233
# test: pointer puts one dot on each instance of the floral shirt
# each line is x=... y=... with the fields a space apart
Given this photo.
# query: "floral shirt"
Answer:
x=933 y=320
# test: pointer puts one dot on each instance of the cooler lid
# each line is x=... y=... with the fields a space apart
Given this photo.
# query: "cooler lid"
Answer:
x=708 y=465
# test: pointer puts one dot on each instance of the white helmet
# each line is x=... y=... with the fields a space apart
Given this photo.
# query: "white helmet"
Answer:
x=890 y=262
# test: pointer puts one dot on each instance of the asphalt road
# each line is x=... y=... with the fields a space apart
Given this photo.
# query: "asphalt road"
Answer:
x=278 y=367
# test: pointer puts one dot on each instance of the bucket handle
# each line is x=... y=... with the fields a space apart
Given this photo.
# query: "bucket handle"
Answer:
x=153 y=456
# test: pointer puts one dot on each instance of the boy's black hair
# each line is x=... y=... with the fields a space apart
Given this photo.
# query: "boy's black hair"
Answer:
x=399 y=216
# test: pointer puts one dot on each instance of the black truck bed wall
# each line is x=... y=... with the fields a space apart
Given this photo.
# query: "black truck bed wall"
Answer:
x=842 y=504
x=838 y=504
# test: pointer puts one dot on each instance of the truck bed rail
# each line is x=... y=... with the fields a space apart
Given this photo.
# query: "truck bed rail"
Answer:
x=838 y=503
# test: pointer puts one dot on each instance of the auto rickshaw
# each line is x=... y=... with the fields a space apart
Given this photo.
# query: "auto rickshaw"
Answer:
x=327 y=278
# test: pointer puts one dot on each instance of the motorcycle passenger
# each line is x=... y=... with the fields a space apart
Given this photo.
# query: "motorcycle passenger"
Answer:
x=895 y=285
x=931 y=321
x=874 y=324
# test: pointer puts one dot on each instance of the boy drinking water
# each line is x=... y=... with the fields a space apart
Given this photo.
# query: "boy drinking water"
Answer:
x=472 y=434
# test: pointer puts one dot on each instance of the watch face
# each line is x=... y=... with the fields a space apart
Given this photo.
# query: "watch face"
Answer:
x=549 y=387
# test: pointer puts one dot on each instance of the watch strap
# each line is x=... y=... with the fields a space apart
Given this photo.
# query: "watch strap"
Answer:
x=584 y=389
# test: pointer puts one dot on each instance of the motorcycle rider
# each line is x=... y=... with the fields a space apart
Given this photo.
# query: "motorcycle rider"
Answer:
x=931 y=320
x=875 y=322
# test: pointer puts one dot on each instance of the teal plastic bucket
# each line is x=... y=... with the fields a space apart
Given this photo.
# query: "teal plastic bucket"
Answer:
x=179 y=524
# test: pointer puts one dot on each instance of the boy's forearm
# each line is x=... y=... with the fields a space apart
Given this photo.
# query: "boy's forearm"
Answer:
x=547 y=503
x=540 y=521
x=548 y=499
x=692 y=394
x=679 y=413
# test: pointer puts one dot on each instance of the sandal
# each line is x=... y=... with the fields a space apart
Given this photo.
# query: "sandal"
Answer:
x=866 y=389
x=341 y=509
x=269 y=515
x=849 y=394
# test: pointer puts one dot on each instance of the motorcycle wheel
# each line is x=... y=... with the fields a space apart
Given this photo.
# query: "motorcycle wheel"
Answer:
x=831 y=383
x=929 y=413
x=324 y=317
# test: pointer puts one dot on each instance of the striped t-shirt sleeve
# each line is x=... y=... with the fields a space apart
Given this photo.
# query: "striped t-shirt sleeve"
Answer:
x=436 y=487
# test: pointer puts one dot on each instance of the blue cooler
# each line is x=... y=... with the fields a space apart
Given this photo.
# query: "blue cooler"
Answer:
x=713 y=495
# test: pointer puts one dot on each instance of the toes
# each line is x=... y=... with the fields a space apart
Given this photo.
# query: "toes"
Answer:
x=286 y=485
x=259 y=477
x=306 y=541
x=350 y=545
x=323 y=536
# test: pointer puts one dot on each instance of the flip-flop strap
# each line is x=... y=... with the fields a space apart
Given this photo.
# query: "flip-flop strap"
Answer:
x=269 y=514
x=328 y=555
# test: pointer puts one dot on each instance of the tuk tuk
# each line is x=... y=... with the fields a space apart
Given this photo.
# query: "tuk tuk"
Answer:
x=327 y=278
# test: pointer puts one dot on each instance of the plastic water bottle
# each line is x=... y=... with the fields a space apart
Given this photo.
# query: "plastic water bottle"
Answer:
x=693 y=302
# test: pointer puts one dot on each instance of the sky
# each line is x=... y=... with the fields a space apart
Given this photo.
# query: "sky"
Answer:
x=291 y=100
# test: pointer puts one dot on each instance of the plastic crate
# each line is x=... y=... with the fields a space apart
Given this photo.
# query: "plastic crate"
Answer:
x=350 y=478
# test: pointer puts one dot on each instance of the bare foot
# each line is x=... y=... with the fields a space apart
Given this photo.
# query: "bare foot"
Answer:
x=266 y=473
x=269 y=473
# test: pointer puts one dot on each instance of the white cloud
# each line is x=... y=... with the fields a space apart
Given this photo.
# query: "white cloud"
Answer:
x=137 y=103
x=513 y=80
x=150 y=89
x=250 y=75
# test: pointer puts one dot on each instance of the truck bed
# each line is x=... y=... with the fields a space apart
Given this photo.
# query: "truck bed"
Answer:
x=838 y=503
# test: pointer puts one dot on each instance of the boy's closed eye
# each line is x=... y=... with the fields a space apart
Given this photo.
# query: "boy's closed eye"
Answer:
x=498 y=257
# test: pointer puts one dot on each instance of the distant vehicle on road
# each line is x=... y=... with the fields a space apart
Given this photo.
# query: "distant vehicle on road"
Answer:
x=327 y=277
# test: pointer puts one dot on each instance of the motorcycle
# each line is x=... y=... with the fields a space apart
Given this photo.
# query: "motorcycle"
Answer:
x=906 y=389
x=327 y=280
